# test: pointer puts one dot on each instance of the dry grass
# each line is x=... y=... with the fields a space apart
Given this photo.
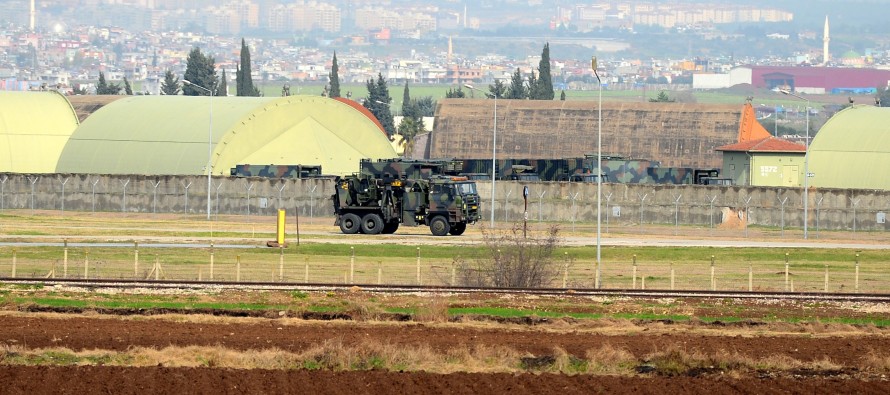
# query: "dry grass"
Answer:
x=337 y=355
x=433 y=310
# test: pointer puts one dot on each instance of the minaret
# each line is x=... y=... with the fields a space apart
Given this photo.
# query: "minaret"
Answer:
x=825 y=39
x=33 y=15
x=450 y=50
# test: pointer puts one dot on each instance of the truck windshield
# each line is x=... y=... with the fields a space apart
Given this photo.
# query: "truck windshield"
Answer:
x=467 y=188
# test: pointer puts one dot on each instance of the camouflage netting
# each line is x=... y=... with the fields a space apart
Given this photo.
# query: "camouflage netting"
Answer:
x=675 y=134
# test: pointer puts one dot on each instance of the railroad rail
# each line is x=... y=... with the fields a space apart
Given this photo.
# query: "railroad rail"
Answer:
x=389 y=288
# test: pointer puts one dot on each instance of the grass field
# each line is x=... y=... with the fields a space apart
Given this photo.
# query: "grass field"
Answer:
x=327 y=256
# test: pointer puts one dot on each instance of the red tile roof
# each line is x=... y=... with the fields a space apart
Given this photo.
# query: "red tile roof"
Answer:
x=769 y=144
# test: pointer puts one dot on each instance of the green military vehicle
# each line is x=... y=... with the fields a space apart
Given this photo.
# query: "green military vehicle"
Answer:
x=375 y=204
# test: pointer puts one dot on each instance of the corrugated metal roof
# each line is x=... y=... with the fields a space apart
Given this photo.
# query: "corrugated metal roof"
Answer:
x=852 y=150
x=34 y=127
x=823 y=77
x=172 y=135
x=769 y=144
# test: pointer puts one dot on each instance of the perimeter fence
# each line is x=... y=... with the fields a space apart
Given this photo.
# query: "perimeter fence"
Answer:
x=840 y=272
x=573 y=204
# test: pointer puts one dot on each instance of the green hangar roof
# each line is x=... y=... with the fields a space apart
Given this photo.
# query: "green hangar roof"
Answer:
x=852 y=150
x=173 y=135
x=34 y=127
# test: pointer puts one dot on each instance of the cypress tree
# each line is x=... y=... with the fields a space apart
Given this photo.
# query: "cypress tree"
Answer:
x=406 y=102
x=245 y=86
x=544 y=90
x=335 y=78
x=223 y=89
x=128 y=90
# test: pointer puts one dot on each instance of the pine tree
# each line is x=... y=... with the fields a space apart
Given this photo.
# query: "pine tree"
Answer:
x=200 y=70
x=223 y=89
x=562 y=95
x=170 y=86
x=104 y=88
x=455 y=93
x=378 y=103
x=533 y=86
x=128 y=90
x=517 y=89
x=544 y=87
x=498 y=90
x=335 y=78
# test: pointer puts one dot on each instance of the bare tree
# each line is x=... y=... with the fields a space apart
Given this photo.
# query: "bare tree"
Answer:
x=512 y=260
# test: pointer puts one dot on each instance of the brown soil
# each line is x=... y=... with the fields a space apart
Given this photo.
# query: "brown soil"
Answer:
x=35 y=331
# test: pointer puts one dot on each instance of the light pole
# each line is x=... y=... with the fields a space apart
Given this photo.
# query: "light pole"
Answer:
x=599 y=169
x=494 y=145
x=209 y=140
x=806 y=163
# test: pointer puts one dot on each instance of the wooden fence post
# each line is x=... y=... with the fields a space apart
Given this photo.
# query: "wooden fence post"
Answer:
x=135 y=259
x=750 y=277
x=13 y=262
x=786 y=272
x=713 y=280
x=856 y=284
x=453 y=274
x=211 y=261
x=635 y=272
x=352 y=265
x=418 y=267
x=86 y=265
x=672 y=276
x=306 y=273
x=65 y=260
x=280 y=263
x=238 y=268
x=826 y=279
x=379 y=272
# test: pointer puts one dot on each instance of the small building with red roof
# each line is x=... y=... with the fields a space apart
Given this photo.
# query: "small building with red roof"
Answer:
x=769 y=161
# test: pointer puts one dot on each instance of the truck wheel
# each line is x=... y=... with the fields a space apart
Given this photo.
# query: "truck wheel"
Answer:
x=350 y=224
x=390 y=228
x=458 y=229
x=439 y=226
x=372 y=224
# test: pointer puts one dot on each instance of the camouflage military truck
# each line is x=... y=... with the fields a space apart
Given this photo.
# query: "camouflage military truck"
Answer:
x=370 y=204
x=277 y=171
x=410 y=169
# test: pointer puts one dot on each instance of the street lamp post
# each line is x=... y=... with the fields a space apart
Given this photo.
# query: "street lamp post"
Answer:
x=599 y=169
x=806 y=163
x=494 y=145
x=209 y=140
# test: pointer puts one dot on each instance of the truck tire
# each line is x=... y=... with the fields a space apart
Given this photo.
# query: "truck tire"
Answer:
x=372 y=224
x=390 y=228
x=458 y=228
x=439 y=226
x=350 y=224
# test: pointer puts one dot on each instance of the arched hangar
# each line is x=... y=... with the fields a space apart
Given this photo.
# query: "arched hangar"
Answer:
x=852 y=150
x=174 y=135
x=34 y=128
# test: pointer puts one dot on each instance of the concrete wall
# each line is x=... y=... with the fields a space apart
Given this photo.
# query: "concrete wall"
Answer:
x=547 y=201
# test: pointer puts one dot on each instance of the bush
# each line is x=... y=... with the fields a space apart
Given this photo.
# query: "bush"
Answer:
x=512 y=260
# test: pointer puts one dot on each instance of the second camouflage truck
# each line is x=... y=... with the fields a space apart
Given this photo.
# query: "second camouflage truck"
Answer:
x=392 y=193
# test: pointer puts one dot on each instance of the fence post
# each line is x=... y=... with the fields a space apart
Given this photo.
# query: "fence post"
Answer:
x=185 y=210
x=352 y=265
x=306 y=273
x=818 y=207
x=63 y=190
x=506 y=199
x=750 y=277
x=826 y=278
x=135 y=259
x=783 y=201
x=608 y=210
x=642 y=282
x=238 y=268
x=418 y=266
x=672 y=276
x=854 y=204
x=154 y=200
x=711 y=210
x=65 y=260
x=574 y=214
x=124 y=201
x=642 y=202
x=86 y=265
x=379 y=272
x=786 y=272
x=713 y=280
x=540 y=199
x=280 y=263
x=157 y=268
x=453 y=274
x=13 y=262
x=856 y=284
x=747 y=214
x=2 y=192
x=677 y=214
x=211 y=261
x=635 y=272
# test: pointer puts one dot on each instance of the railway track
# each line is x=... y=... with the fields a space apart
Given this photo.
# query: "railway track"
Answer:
x=381 y=288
